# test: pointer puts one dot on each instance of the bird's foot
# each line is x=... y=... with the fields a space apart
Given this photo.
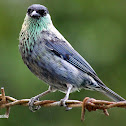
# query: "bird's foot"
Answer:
x=63 y=103
x=32 y=107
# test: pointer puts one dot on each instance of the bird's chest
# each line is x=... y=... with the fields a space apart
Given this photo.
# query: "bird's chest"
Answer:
x=26 y=43
x=38 y=59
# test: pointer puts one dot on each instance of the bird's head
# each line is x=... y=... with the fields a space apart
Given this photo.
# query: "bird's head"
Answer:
x=37 y=11
x=38 y=15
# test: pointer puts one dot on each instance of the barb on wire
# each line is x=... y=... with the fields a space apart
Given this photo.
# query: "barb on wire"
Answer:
x=90 y=104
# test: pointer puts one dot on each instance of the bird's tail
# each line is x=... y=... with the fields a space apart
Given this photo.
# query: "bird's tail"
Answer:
x=111 y=94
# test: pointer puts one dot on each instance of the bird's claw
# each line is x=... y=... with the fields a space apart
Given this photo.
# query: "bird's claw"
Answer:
x=32 y=107
x=63 y=103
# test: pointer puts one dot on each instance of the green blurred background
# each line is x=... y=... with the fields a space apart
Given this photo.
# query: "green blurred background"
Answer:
x=95 y=28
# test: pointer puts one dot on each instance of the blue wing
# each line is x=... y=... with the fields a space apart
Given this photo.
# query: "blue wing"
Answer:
x=64 y=50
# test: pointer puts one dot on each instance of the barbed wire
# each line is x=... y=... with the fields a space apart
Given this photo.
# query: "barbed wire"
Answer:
x=90 y=104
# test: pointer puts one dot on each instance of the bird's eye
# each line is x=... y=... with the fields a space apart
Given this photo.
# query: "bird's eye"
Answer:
x=42 y=12
x=29 y=11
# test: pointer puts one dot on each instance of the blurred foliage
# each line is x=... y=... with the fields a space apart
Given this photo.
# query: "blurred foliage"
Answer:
x=95 y=28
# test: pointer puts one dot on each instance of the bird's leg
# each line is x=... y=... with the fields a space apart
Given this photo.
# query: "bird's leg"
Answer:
x=36 y=98
x=62 y=101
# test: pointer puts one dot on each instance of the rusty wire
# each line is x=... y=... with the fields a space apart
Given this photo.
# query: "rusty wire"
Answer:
x=90 y=104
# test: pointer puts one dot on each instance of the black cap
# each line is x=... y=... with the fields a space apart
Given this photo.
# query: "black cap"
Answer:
x=37 y=10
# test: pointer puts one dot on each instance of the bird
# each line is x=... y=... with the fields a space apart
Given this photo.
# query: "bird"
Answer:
x=51 y=58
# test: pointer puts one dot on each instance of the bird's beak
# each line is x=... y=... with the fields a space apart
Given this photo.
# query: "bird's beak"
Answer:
x=34 y=14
